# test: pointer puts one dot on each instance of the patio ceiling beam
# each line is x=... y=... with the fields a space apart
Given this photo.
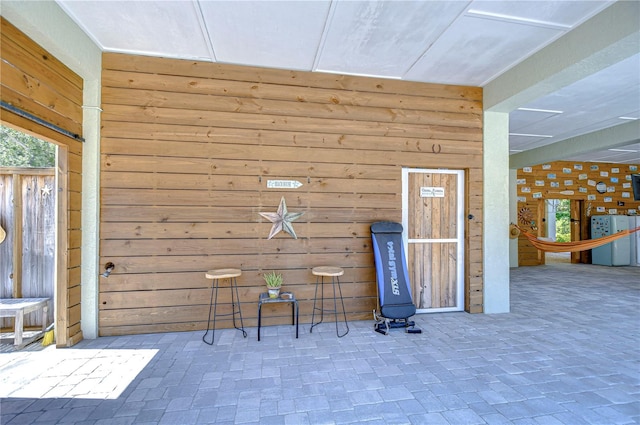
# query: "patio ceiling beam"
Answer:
x=608 y=138
x=604 y=40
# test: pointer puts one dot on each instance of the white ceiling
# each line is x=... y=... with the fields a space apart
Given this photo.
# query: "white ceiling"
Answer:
x=451 y=42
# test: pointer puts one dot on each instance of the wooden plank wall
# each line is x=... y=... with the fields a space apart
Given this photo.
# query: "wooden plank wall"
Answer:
x=187 y=150
x=529 y=255
x=36 y=82
x=29 y=215
x=574 y=181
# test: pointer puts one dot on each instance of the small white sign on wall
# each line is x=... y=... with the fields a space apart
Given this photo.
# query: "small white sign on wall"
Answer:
x=432 y=192
x=283 y=184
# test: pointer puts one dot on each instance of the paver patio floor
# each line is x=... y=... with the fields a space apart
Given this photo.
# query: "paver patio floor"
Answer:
x=568 y=353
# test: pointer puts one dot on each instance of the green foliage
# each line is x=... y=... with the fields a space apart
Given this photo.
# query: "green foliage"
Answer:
x=563 y=222
x=273 y=279
x=22 y=150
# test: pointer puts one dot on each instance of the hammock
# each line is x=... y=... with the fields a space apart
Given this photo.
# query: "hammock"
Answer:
x=550 y=246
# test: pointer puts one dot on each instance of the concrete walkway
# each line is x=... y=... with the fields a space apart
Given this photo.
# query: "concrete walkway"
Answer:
x=568 y=353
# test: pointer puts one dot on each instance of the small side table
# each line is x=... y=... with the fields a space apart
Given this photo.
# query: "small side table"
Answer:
x=264 y=299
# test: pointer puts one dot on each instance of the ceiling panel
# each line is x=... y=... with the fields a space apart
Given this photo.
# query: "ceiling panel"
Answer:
x=274 y=34
x=591 y=104
x=519 y=143
x=383 y=38
x=452 y=42
x=629 y=154
x=474 y=49
x=616 y=86
x=169 y=28
x=521 y=120
x=588 y=122
x=548 y=13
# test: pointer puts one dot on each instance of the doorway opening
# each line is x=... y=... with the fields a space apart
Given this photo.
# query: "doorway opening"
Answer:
x=28 y=217
x=558 y=218
x=433 y=233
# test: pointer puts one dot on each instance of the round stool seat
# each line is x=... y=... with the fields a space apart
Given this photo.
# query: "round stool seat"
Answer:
x=223 y=273
x=327 y=271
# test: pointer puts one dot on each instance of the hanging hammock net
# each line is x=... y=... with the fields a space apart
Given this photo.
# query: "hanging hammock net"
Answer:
x=575 y=246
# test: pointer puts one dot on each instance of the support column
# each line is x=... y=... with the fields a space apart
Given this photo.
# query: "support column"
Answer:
x=496 y=212
x=91 y=208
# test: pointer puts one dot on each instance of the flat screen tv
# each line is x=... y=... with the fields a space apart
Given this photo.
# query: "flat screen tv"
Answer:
x=635 y=182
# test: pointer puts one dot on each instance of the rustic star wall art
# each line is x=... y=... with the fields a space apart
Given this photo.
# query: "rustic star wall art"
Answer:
x=282 y=220
x=46 y=191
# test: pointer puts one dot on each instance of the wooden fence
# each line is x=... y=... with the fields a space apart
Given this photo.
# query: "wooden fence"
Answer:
x=27 y=255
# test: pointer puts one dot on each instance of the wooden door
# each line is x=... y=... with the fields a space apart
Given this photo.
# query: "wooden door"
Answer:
x=433 y=221
x=541 y=227
x=579 y=229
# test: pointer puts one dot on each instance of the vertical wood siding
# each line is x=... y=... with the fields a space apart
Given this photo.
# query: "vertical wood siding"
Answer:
x=529 y=255
x=35 y=81
x=36 y=231
x=7 y=221
x=187 y=150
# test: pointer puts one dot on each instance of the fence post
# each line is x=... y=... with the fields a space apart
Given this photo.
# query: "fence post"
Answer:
x=17 y=235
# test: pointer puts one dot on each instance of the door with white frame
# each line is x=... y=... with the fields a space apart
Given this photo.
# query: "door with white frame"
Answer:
x=433 y=227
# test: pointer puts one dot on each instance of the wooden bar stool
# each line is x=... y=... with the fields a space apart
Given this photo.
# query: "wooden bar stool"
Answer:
x=218 y=275
x=334 y=273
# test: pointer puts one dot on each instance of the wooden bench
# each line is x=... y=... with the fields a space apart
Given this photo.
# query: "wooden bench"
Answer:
x=17 y=308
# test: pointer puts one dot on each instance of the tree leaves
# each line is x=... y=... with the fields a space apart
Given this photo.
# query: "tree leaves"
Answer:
x=18 y=149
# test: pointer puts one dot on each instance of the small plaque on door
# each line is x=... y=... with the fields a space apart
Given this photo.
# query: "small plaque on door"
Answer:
x=432 y=192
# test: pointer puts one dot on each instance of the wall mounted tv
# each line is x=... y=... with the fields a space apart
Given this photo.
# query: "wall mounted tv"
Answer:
x=635 y=182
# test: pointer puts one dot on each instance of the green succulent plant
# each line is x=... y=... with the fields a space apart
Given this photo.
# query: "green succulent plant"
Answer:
x=273 y=279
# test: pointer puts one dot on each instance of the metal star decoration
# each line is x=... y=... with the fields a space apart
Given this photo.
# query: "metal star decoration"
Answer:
x=282 y=220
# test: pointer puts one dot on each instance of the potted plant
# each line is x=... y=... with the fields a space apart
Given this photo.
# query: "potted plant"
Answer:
x=274 y=283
